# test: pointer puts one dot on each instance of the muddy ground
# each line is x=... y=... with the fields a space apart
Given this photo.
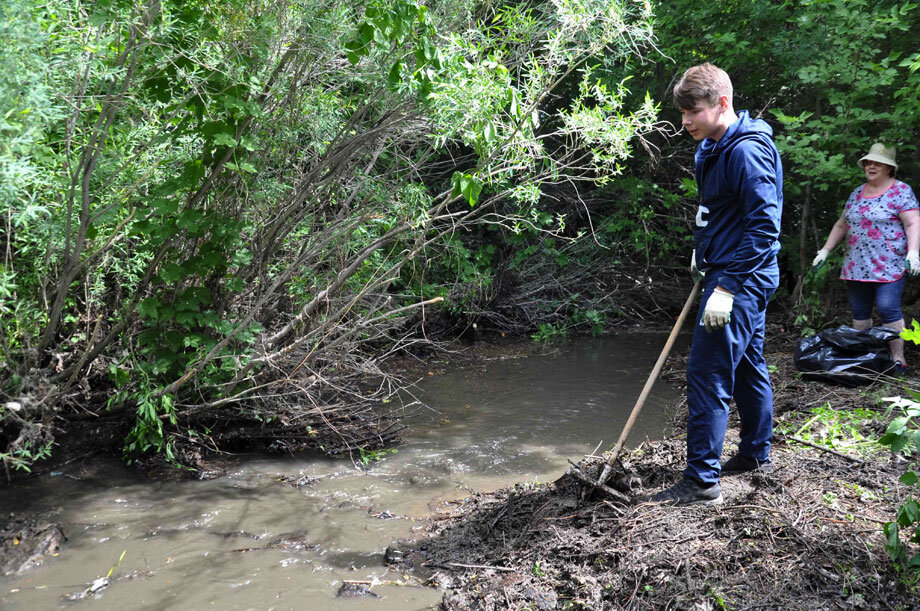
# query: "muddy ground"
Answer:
x=806 y=536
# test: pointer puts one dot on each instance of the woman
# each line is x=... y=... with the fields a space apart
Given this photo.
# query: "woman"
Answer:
x=881 y=224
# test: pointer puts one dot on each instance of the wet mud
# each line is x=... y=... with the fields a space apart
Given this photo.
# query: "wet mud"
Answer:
x=25 y=543
x=806 y=536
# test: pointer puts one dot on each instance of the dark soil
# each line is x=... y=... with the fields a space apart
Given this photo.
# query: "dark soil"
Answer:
x=806 y=536
x=25 y=543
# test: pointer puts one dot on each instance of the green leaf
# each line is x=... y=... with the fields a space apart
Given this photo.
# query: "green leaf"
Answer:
x=99 y=18
x=897 y=425
x=394 y=78
x=171 y=186
x=471 y=187
x=234 y=103
x=171 y=273
x=148 y=308
x=165 y=206
x=466 y=185
x=141 y=227
x=211 y=259
x=888 y=438
x=184 y=318
x=191 y=341
x=188 y=300
x=909 y=513
x=241 y=257
x=119 y=376
x=457 y=187
x=243 y=166
x=208 y=319
x=489 y=132
x=190 y=220
x=224 y=139
x=909 y=479
x=893 y=542
x=366 y=34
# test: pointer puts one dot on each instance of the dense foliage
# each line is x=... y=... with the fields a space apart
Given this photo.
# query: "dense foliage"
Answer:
x=832 y=77
x=227 y=213
x=220 y=216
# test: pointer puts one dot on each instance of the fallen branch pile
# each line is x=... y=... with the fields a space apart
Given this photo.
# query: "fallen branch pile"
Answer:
x=806 y=536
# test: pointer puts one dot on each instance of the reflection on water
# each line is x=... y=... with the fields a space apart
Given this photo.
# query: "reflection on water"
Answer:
x=253 y=540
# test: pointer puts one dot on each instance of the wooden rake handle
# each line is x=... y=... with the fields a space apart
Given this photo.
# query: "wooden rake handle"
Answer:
x=649 y=383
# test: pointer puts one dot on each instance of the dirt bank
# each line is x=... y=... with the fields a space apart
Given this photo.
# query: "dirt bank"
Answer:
x=807 y=535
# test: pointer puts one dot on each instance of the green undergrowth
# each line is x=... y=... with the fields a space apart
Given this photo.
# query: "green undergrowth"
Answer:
x=843 y=430
x=903 y=438
x=867 y=432
x=887 y=427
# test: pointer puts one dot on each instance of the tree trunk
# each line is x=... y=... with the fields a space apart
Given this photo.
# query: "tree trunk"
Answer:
x=803 y=246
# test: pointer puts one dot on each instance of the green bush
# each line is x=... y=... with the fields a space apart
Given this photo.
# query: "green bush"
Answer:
x=903 y=437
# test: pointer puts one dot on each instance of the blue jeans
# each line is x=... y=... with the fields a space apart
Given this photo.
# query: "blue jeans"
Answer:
x=723 y=364
x=885 y=295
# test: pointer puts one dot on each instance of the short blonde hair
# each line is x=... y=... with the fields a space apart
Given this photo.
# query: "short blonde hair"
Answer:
x=705 y=82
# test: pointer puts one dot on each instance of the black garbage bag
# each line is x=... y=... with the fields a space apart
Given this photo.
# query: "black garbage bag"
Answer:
x=845 y=356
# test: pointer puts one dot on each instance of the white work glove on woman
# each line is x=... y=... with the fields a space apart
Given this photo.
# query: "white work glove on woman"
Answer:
x=819 y=260
x=913 y=262
x=718 y=312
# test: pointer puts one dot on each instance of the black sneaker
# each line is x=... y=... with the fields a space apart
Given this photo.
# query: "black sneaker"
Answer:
x=899 y=369
x=689 y=492
x=744 y=464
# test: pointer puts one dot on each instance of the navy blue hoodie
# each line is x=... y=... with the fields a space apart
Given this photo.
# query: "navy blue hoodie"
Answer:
x=740 y=181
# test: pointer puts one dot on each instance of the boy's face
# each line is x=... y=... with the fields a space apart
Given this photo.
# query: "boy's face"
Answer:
x=703 y=121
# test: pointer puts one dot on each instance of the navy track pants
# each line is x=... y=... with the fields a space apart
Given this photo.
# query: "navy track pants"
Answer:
x=728 y=363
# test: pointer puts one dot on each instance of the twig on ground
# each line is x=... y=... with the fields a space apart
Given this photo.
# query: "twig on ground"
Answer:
x=820 y=447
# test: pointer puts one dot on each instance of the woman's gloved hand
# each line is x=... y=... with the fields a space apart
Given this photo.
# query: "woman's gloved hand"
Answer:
x=819 y=260
x=913 y=262
x=718 y=312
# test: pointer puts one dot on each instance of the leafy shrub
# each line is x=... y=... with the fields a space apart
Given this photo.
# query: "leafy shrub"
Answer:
x=903 y=437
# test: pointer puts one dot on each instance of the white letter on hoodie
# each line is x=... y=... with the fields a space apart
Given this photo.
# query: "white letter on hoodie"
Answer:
x=699 y=216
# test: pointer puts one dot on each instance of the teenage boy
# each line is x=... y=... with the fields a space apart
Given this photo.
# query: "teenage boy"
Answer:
x=740 y=182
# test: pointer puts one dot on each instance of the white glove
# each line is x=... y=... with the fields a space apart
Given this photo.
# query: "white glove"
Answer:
x=718 y=310
x=819 y=260
x=913 y=262
x=695 y=272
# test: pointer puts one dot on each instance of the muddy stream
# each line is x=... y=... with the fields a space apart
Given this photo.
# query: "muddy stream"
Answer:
x=285 y=533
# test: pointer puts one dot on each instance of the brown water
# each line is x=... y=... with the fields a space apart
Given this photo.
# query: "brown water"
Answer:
x=252 y=540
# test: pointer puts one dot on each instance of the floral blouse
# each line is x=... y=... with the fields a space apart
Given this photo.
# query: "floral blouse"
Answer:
x=876 y=243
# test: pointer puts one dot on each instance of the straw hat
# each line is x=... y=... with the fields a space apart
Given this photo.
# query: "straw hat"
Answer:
x=880 y=153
